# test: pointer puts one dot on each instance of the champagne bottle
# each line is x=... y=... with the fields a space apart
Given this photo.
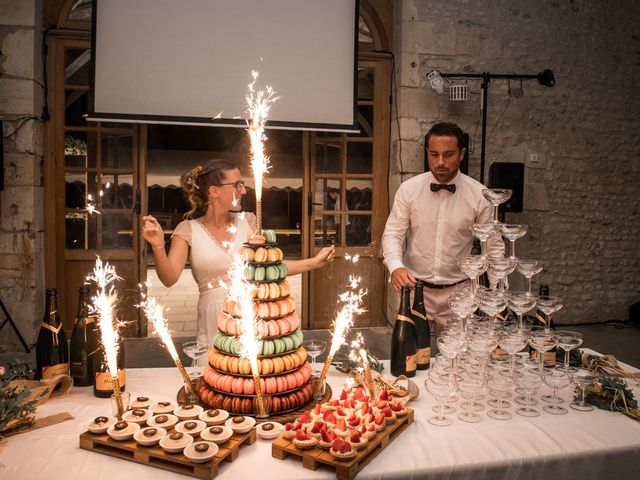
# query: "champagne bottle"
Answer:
x=52 y=351
x=403 y=339
x=103 y=385
x=84 y=342
x=423 y=332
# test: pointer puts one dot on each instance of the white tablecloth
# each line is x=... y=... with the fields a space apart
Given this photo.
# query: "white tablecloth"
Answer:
x=591 y=445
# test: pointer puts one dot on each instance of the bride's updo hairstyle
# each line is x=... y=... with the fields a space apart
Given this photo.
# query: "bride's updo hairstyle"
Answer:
x=196 y=182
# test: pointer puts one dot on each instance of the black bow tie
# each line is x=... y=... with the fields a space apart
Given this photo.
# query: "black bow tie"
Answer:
x=439 y=186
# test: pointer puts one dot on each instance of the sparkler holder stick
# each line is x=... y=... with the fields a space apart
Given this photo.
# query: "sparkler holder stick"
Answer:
x=188 y=385
x=259 y=217
x=118 y=394
x=323 y=375
x=261 y=410
x=368 y=379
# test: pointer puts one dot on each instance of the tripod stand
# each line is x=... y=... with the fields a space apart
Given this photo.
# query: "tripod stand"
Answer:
x=9 y=320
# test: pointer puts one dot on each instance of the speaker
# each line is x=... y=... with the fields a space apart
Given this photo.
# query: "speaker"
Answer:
x=508 y=175
x=464 y=165
x=634 y=313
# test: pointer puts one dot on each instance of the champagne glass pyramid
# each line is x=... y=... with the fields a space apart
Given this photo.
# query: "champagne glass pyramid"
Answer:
x=529 y=268
x=483 y=232
x=497 y=196
x=512 y=233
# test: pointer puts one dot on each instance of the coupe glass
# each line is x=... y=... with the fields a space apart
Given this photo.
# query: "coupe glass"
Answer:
x=471 y=388
x=528 y=383
x=462 y=304
x=491 y=305
x=512 y=233
x=483 y=232
x=500 y=268
x=520 y=303
x=499 y=385
x=496 y=196
x=473 y=266
x=542 y=340
x=512 y=343
x=441 y=392
x=548 y=305
x=314 y=349
x=568 y=340
x=195 y=350
x=450 y=345
x=583 y=379
x=557 y=379
x=529 y=268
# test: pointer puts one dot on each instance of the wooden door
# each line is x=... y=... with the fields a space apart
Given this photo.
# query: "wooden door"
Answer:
x=92 y=191
x=347 y=200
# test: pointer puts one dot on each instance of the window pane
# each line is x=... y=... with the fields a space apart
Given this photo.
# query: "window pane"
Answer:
x=77 y=186
x=327 y=194
x=359 y=194
x=365 y=83
x=116 y=150
x=76 y=66
x=116 y=191
x=360 y=157
x=80 y=230
x=364 y=119
x=328 y=157
x=327 y=230
x=358 y=230
x=76 y=103
x=117 y=231
x=77 y=153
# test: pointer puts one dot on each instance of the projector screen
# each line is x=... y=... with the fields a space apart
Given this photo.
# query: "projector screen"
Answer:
x=168 y=61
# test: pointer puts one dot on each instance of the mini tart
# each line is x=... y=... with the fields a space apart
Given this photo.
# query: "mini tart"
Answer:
x=359 y=445
x=214 y=417
x=343 y=456
x=149 y=436
x=164 y=420
x=188 y=412
x=401 y=409
x=305 y=444
x=370 y=431
x=289 y=430
x=141 y=402
x=192 y=427
x=240 y=424
x=162 y=407
x=217 y=434
x=342 y=433
x=201 y=452
x=100 y=424
x=121 y=434
x=269 y=430
x=175 y=442
x=137 y=415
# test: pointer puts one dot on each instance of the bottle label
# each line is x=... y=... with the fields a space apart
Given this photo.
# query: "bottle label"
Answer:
x=404 y=318
x=89 y=320
x=423 y=356
x=54 y=330
x=548 y=358
x=104 y=382
x=411 y=363
x=53 y=370
x=79 y=369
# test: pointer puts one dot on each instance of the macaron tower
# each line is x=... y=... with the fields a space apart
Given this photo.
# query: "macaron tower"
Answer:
x=282 y=363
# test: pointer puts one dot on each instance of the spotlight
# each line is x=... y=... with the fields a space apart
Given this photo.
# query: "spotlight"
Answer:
x=436 y=81
x=546 y=78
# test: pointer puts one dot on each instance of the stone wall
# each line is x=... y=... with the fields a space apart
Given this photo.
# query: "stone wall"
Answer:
x=581 y=198
x=21 y=220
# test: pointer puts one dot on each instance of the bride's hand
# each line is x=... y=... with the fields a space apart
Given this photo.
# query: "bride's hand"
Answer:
x=325 y=255
x=152 y=231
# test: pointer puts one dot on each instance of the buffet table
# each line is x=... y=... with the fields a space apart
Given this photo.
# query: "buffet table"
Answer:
x=591 y=445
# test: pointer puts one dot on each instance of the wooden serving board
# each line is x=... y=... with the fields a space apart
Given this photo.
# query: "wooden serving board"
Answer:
x=158 y=458
x=281 y=448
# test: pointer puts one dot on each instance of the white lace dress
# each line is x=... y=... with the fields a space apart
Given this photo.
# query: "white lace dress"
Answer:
x=209 y=264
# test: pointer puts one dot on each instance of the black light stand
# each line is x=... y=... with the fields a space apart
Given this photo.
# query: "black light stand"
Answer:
x=9 y=320
x=545 y=78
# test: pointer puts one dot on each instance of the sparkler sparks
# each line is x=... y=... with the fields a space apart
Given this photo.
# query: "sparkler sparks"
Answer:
x=91 y=205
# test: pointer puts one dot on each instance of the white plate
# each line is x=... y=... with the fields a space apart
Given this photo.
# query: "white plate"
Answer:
x=198 y=457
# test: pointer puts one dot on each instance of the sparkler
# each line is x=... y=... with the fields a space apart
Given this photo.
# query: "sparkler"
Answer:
x=91 y=205
x=155 y=314
x=352 y=305
x=104 y=276
x=258 y=104
x=240 y=293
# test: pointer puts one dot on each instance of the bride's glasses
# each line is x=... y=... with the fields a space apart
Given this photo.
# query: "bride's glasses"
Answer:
x=239 y=185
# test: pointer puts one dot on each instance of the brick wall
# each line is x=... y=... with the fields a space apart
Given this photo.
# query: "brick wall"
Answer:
x=21 y=220
x=581 y=198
